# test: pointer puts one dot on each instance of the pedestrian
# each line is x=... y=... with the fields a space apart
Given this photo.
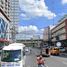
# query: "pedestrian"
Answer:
x=40 y=61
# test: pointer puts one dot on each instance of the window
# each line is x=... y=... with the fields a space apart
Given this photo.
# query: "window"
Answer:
x=11 y=56
x=2 y=2
x=6 y=0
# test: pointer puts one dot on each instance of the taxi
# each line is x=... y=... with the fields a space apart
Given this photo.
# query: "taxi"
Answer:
x=54 y=51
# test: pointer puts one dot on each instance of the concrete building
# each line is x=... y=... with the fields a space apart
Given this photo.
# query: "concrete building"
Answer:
x=4 y=21
x=59 y=32
x=5 y=6
x=46 y=35
x=14 y=15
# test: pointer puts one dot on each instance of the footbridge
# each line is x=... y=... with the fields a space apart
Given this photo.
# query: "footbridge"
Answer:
x=31 y=42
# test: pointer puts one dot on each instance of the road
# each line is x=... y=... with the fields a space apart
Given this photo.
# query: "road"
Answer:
x=55 y=61
x=52 y=61
x=31 y=58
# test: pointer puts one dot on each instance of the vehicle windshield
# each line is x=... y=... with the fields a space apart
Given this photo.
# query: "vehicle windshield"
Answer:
x=56 y=49
x=11 y=56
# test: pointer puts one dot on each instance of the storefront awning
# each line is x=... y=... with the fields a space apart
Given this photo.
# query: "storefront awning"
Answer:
x=3 y=40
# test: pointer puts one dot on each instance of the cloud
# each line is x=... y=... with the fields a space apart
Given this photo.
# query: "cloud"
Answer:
x=31 y=29
x=42 y=30
x=52 y=26
x=24 y=16
x=35 y=8
x=64 y=1
x=29 y=32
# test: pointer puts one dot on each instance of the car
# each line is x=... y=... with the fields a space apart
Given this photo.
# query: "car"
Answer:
x=61 y=49
x=54 y=51
x=26 y=49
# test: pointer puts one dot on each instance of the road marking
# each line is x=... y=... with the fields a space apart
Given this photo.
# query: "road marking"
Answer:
x=46 y=65
x=64 y=63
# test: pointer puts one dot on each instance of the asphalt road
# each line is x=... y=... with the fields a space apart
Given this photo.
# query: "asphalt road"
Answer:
x=31 y=58
x=55 y=61
x=52 y=61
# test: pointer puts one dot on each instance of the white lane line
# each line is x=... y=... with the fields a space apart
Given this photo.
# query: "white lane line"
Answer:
x=64 y=63
x=46 y=65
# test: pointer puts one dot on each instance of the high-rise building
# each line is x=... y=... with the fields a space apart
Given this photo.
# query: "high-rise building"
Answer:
x=47 y=34
x=14 y=15
x=5 y=6
x=4 y=21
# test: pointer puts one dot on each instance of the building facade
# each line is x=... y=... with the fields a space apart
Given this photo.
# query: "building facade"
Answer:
x=47 y=35
x=5 y=7
x=4 y=21
x=59 y=32
x=14 y=15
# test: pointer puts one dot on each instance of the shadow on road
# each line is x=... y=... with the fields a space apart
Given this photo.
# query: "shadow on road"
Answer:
x=64 y=55
x=46 y=55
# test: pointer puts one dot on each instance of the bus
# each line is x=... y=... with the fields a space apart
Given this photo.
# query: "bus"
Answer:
x=13 y=55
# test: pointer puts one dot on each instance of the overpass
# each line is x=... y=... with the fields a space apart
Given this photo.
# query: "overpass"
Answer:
x=31 y=42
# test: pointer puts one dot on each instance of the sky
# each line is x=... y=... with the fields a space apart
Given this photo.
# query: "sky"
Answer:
x=35 y=15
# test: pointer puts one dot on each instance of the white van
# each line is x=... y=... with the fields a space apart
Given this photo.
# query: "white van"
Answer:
x=13 y=55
